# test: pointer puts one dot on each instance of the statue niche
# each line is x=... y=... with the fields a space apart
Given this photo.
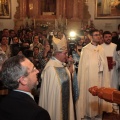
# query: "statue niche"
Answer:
x=48 y=6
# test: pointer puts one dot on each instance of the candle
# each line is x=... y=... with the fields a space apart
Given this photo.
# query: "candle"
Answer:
x=34 y=23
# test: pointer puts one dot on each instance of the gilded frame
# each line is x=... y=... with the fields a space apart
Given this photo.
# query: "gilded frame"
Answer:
x=107 y=9
x=5 y=9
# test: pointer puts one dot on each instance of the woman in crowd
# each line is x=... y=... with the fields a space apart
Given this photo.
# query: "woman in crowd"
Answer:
x=4 y=47
x=36 y=43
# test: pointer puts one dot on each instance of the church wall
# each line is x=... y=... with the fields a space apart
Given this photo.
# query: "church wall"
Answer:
x=105 y=24
x=9 y=23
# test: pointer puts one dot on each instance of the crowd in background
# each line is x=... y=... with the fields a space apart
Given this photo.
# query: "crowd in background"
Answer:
x=95 y=55
x=37 y=46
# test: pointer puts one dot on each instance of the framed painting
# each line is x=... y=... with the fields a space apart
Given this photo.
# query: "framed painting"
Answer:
x=107 y=9
x=5 y=9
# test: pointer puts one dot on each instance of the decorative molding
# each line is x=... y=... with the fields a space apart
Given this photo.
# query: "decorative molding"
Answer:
x=73 y=18
x=86 y=14
x=17 y=13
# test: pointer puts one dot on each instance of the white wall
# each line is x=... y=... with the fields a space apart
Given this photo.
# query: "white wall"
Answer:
x=9 y=23
x=105 y=24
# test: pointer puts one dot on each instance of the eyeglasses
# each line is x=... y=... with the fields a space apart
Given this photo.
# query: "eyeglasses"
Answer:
x=66 y=53
x=34 y=69
x=96 y=35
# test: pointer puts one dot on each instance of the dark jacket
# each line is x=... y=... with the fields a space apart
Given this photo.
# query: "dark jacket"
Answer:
x=20 y=106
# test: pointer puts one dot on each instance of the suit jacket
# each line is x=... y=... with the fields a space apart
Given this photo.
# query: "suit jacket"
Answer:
x=20 y=106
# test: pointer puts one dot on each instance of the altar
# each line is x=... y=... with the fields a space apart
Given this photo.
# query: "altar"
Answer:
x=74 y=12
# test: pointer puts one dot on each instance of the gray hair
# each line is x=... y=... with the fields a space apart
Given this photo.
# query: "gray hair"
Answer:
x=3 y=57
x=12 y=70
x=54 y=53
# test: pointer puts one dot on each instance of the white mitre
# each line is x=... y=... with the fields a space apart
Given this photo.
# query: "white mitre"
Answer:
x=59 y=45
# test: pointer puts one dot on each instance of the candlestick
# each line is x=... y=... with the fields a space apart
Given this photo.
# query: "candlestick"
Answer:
x=66 y=22
x=55 y=23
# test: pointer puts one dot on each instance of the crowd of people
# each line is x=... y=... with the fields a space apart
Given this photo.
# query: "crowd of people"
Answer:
x=39 y=68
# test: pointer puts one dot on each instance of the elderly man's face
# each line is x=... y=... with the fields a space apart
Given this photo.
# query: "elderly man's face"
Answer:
x=62 y=56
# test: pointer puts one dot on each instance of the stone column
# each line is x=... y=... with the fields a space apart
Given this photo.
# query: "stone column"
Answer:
x=36 y=9
x=64 y=8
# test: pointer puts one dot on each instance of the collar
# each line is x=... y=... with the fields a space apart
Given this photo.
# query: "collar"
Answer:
x=25 y=93
x=93 y=44
x=64 y=64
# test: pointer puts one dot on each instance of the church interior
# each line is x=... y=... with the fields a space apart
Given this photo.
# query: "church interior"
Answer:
x=73 y=15
x=74 y=18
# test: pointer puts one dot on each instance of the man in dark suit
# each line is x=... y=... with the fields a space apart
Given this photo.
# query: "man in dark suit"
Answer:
x=20 y=76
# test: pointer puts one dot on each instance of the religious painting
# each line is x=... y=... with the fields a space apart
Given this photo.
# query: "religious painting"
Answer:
x=48 y=7
x=107 y=9
x=5 y=9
